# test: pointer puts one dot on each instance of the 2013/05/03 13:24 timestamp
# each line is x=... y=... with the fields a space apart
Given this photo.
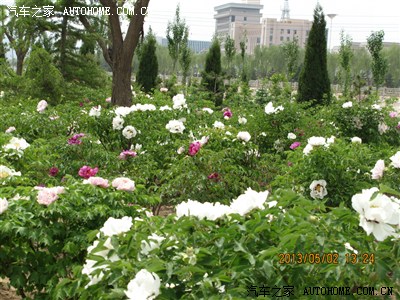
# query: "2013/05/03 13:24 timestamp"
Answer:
x=325 y=258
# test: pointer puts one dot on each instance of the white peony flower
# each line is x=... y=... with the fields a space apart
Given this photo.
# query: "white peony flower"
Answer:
x=7 y=172
x=316 y=141
x=207 y=210
x=129 y=132
x=123 y=111
x=209 y=110
x=16 y=144
x=165 y=107
x=318 y=189
x=376 y=107
x=41 y=106
x=347 y=104
x=242 y=120
x=395 y=160
x=1 y=94
x=243 y=136
x=180 y=150
x=269 y=108
x=356 y=140
x=163 y=90
x=378 y=214
x=382 y=128
x=291 y=136
x=377 y=171
x=95 y=111
x=154 y=242
x=145 y=286
x=349 y=247
x=179 y=101
x=118 y=123
x=249 y=201
x=175 y=126
x=219 y=125
x=3 y=205
x=307 y=149
x=330 y=140
x=116 y=226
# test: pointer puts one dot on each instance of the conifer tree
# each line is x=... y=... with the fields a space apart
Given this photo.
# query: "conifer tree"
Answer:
x=212 y=79
x=148 y=65
x=314 y=82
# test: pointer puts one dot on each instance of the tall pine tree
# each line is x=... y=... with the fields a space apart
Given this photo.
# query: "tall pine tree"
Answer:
x=211 y=77
x=314 y=81
x=148 y=65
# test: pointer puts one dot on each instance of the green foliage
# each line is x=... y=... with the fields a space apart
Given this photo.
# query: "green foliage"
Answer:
x=314 y=81
x=291 y=52
x=185 y=62
x=345 y=54
x=223 y=259
x=177 y=36
x=379 y=63
x=148 y=66
x=230 y=52
x=45 y=79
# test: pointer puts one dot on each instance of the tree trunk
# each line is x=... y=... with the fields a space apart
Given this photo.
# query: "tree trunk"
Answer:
x=121 y=81
x=20 y=62
x=63 y=42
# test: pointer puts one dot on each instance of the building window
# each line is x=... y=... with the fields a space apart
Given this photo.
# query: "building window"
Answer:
x=244 y=18
x=232 y=18
x=258 y=40
x=282 y=31
x=281 y=38
x=270 y=38
x=271 y=31
x=288 y=31
x=307 y=32
x=288 y=38
x=294 y=31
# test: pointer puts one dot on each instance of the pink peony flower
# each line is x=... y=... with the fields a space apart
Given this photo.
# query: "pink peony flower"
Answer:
x=295 y=145
x=97 y=181
x=194 y=148
x=393 y=114
x=75 y=140
x=80 y=104
x=124 y=184
x=53 y=171
x=87 y=172
x=10 y=129
x=108 y=99
x=290 y=163
x=46 y=196
x=126 y=153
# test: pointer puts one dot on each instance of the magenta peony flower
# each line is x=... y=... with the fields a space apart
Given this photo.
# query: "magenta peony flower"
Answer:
x=227 y=113
x=126 y=153
x=87 y=172
x=97 y=181
x=290 y=163
x=108 y=99
x=214 y=176
x=80 y=104
x=53 y=171
x=194 y=148
x=75 y=140
x=295 y=145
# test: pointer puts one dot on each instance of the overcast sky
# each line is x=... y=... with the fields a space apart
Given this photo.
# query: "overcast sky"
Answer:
x=358 y=18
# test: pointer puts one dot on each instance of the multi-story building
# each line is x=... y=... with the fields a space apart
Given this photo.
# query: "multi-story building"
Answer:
x=277 y=32
x=241 y=21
